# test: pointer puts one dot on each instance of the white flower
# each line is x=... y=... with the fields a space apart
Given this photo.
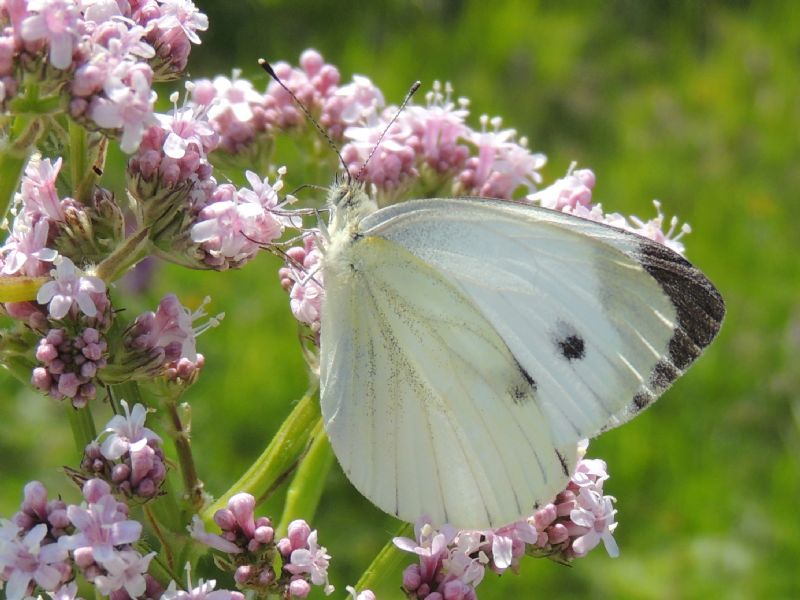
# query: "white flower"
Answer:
x=128 y=433
x=70 y=287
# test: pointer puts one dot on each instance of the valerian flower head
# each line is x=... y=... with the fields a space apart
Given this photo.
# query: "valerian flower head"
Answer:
x=70 y=365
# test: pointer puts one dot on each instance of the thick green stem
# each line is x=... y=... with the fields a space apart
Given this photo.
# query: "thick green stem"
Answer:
x=130 y=252
x=279 y=456
x=82 y=425
x=302 y=497
x=386 y=563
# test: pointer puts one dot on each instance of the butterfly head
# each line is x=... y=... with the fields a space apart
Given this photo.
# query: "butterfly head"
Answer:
x=349 y=203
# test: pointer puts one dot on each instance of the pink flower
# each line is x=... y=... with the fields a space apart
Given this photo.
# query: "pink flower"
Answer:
x=595 y=513
x=25 y=252
x=68 y=591
x=437 y=129
x=38 y=190
x=302 y=277
x=100 y=525
x=186 y=127
x=128 y=106
x=203 y=591
x=566 y=194
x=124 y=570
x=653 y=229
x=312 y=560
x=502 y=165
x=70 y=287
x=57 y=23
x=173 y=327
x=363 y=595
x=234 y=226
x=359 y=102
x=127 y=433
x=24 y=559
x=198 y=532
x=393 y=160
x=182 y=14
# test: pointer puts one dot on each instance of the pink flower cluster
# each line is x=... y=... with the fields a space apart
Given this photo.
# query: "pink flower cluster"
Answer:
x=164 y=342
x=110 y=51
x=101 y=545
x=129 y=457
x=572 y=194
x=251 y=544
x=70 y=364
x=302 y=278
x=240 y=114
x=235 y=223
x=39 y=210
x=452 y=563
x=46 y=541
x=29 y=550
x=174 y=150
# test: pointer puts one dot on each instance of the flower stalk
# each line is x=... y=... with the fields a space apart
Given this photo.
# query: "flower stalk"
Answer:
x=279 y=456
x=305 y=491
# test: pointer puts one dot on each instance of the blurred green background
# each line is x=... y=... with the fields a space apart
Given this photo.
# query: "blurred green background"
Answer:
x=694 y=103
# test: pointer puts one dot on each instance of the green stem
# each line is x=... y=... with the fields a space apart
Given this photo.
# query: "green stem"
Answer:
x=82 y=425
x=193 y=487
x=386 y=563
x=78 y=158
x=302 y=497
x=279 y=456
x=130 y=252
x=25 y=132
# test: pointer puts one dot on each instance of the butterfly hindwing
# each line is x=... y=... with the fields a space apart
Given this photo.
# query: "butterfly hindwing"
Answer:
x=426 y=407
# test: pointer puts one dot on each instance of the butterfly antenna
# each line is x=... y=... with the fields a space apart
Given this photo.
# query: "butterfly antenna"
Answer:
x=271 y=72
x=414 y=87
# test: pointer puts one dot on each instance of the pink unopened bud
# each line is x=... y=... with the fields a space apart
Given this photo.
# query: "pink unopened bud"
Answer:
x=411 y=578
x=298 y=534
x=243 y=574
x=225 y=519
x=94 y=489
x=557 y=533
x=264 y=535
x=35 y=499
x=299 y=588
x=242 y=506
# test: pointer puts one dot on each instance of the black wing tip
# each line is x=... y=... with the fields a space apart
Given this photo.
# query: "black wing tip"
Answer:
x=699 y=308
x=698 y=304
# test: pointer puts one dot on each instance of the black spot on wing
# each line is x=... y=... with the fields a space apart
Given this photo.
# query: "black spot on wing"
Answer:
x=563 y=461
x=568 y=342
x=572 y=347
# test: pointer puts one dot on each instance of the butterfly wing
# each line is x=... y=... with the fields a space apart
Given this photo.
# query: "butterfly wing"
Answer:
x=468 y=344
x=426 y=407
x=602 y=320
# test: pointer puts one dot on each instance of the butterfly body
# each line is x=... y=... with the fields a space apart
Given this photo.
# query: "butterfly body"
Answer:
x=468 y=344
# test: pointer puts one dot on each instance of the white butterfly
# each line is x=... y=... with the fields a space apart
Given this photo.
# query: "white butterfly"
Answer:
x=467 y=345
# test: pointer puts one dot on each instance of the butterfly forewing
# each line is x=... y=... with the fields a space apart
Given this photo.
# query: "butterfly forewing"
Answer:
x=602 y=319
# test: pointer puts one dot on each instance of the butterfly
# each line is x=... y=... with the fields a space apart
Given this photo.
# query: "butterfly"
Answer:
x=468 y=344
